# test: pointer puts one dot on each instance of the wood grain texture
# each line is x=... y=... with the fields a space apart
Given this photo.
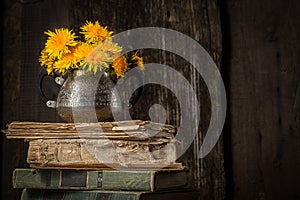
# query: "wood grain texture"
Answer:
x=13 y=151
x=201 y=21
x=263 y=82
x=198 y=19
x=264 y=76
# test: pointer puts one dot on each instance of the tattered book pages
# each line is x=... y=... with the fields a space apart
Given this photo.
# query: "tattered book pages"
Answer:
x=130 y=144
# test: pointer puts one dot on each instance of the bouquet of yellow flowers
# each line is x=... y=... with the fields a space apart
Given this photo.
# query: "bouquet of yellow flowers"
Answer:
x=64 y=52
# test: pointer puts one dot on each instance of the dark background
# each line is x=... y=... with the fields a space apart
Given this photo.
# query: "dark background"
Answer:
x=256 y=46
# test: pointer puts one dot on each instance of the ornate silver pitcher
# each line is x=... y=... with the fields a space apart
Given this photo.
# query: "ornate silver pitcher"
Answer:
x=77 y=95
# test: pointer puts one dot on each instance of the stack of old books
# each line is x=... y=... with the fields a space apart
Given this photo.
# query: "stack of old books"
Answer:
x=106 y=160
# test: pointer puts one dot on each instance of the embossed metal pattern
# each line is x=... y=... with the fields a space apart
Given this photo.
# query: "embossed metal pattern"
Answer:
x=76 y=93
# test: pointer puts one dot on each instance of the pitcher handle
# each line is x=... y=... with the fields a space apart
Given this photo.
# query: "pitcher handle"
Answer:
x=58 y=80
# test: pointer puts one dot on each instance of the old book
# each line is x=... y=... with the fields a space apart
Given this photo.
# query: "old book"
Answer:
x=135 y=144
x=99 y=180
x=93 y=153
x=36 y=194
x=126 y=130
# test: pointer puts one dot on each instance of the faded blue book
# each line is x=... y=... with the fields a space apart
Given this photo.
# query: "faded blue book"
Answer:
x=99 y=180
x=37 y=194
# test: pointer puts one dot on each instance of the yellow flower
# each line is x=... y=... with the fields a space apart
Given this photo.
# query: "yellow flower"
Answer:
x=101 y=56
x=96 y=60
x=49 y=69
x=83 y=50
x=60 y=69
x=67 y=61
x=46 y=61
x=44 y=58
x=94 y=33
x=59 y=41
x=138 y=61
x=120 y=66
x=63 y=52
x=109 y=46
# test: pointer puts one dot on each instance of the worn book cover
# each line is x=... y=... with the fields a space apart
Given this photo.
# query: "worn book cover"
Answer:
x=126 y=144
x=36 y=194
x=92 y=153
x=100 y=180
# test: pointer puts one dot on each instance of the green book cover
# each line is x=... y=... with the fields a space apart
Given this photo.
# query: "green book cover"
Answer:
x=39 y=194
x=100 y=180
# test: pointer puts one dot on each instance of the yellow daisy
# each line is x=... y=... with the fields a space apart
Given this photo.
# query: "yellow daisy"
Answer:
x=94 y=32
x=59 y=41
x=49 y=69
x=109 y=46
x=68 y=61
x=120 y=66
x=83 y=50
x=47 y=61
x=89 y=57
x=138 y=61
x=95 y=58
x=60 y=69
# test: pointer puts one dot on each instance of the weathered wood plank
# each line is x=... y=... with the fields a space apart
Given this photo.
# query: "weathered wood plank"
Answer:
x=13 y=152
x=197 y=19
x=264 y=73
x=24 y=24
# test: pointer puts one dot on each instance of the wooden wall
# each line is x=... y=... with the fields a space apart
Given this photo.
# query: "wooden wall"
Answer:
x=13 y=152
x=257 y=49
x=197 y=19
x=264 y=77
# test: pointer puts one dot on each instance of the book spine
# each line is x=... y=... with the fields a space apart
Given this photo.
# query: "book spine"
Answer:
x=140 y=181
x=55 y=152
x=34 y=194
x=73 y=179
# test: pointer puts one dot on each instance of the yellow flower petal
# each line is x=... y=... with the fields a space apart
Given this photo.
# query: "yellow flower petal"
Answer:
x=63 y=53
x=99 y=57
x=59 y=42
x=94 y=32
x=120 y=66
x=138 y=61
x=46 y=61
